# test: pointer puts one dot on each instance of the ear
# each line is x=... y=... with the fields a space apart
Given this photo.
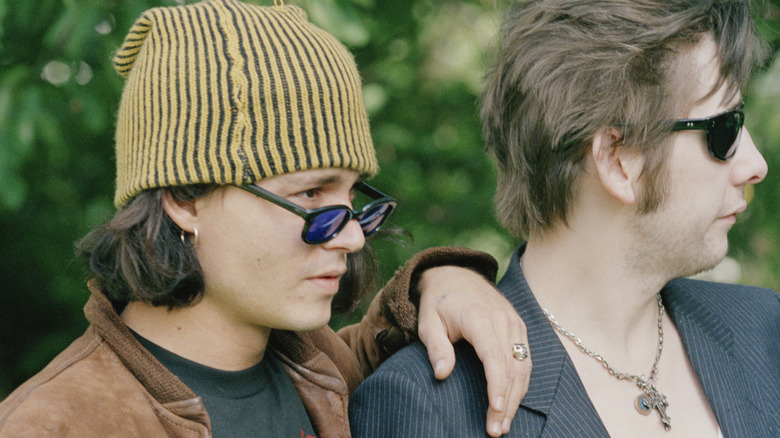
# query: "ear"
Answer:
x=617 y=168
x=183 y=213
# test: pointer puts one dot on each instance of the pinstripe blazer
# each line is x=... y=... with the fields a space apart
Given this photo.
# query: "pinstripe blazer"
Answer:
x=731 y=334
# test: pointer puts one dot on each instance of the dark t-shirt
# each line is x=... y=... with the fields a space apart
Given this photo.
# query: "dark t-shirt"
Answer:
x=258 y=401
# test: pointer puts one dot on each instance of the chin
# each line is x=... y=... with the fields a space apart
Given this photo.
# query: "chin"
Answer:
x=705 y=262
x=313 y=322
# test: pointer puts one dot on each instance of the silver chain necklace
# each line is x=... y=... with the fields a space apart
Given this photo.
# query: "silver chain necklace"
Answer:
x=650 y=397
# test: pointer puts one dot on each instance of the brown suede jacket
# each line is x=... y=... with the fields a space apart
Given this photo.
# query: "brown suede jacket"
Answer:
x=105 y=384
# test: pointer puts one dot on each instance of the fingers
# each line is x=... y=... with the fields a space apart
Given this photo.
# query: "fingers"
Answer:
x=522 y=376
x=433 y=334
x=499 y=380
x=507 y=378
x=456 y=304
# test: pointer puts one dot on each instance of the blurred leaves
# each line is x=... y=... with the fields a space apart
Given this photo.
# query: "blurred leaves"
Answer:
x=422 y=63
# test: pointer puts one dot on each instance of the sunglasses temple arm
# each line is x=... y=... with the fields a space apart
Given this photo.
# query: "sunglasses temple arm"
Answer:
x=372 y=192
x=278 y=200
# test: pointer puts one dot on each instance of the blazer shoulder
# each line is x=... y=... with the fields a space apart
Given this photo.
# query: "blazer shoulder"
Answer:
x=408 y=366
x=750 y=314
x=735 y=300
x=413 y=359
x=404 y=398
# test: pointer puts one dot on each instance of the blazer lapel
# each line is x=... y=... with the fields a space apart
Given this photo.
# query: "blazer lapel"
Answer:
x=709 y=343
x=555 y=390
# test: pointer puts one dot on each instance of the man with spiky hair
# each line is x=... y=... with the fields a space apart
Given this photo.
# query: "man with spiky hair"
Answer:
x=617 y=130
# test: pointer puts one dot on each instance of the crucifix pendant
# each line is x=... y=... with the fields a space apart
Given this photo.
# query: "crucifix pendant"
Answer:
x=653 y=399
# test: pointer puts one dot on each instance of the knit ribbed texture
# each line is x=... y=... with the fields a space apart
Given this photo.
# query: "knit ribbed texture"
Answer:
x=230 y=93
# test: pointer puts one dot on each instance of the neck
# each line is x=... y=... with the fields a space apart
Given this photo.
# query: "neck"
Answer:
x=192 y=333
x=589 y=282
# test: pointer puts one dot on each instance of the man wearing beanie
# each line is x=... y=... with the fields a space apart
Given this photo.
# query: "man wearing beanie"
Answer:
x=242 y=146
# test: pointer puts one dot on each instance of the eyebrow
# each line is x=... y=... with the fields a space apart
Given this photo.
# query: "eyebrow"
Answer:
x=323 y=180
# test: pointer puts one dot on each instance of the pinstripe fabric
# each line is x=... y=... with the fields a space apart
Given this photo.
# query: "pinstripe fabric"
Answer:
x=229 y=93
x=731 y=333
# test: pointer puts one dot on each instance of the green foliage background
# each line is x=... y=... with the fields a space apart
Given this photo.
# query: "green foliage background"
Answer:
x=421 y=62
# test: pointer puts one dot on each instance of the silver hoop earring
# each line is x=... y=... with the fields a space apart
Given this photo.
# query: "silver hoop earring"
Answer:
x=183 y=236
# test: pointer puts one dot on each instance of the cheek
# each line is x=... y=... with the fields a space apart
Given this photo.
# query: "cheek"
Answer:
x=221 y=252
x=244 y=239
x=702 y=193
x=228 y=239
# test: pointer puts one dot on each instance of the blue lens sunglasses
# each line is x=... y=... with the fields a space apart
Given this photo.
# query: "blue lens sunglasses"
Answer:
x=325 y=223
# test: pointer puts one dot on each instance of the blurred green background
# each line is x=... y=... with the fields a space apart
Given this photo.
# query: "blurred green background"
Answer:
x=421 y=62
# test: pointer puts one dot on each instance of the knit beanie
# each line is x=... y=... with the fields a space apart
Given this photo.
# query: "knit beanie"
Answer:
x=229 y=93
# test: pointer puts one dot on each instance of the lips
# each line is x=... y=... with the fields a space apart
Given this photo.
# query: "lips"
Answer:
x=336 y=272
x=328 y=279
x=742 y=207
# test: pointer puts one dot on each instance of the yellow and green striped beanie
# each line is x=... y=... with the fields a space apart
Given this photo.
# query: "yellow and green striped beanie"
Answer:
x=229 y=93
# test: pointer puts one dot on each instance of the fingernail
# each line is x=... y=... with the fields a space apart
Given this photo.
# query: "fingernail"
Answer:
x=439 y=365
x=496 y=428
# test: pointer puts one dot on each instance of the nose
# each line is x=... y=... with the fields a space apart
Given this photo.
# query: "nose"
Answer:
x=350 y=239
x=749 y=165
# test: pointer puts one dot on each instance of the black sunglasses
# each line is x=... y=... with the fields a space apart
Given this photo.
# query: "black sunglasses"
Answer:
x=723 y=131
x=325 y=223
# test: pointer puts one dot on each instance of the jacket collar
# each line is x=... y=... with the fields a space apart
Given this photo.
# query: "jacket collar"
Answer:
x=555 y=388
x=163 y=385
